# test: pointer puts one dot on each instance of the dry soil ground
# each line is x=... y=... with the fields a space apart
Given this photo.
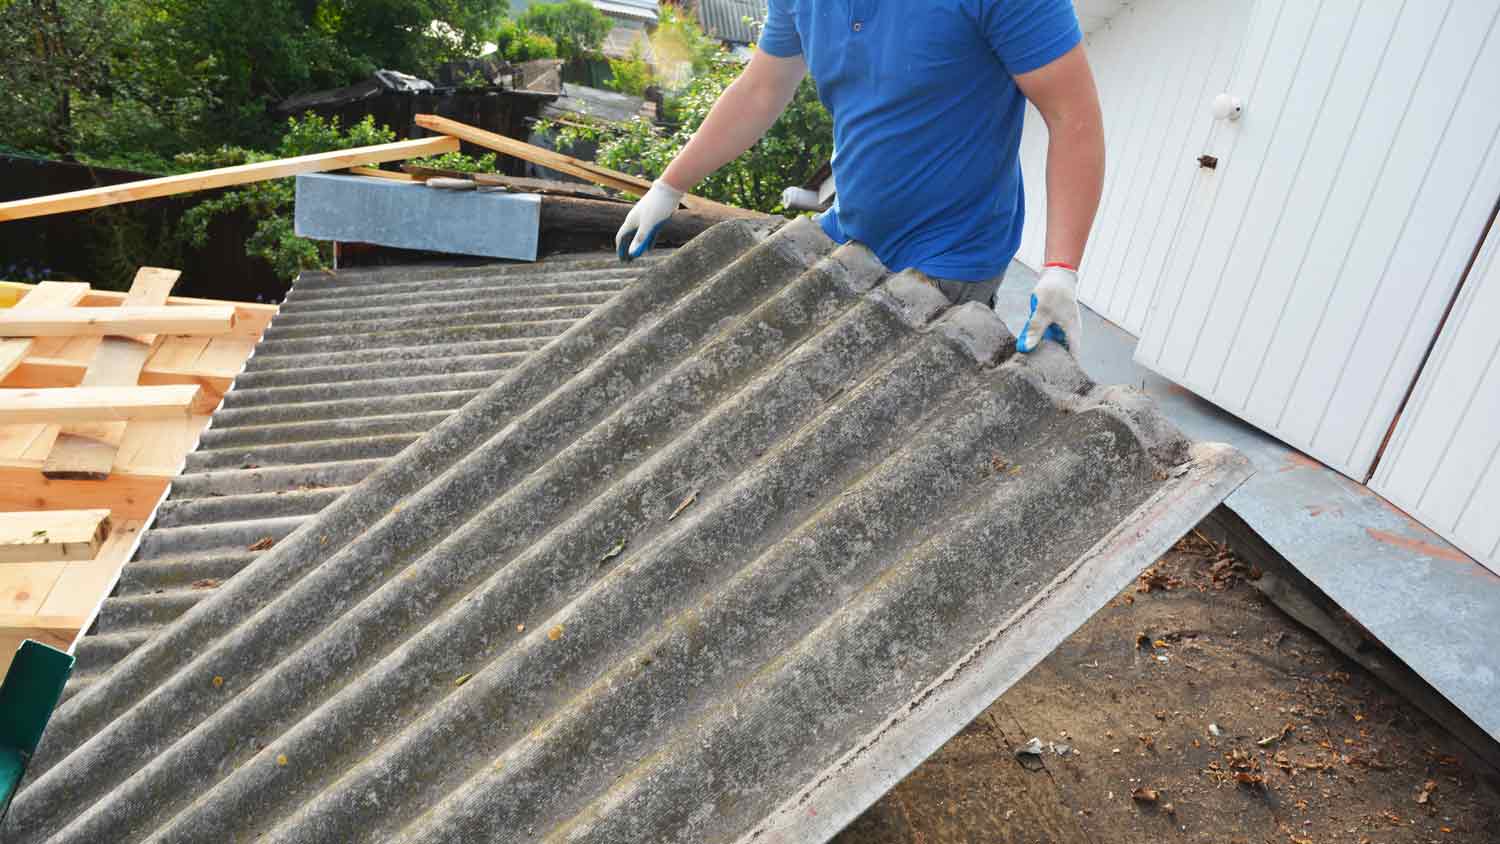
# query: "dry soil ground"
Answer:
x=1193 y=710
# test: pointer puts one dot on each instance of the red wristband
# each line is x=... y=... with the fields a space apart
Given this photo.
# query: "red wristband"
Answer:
x=1064 y=264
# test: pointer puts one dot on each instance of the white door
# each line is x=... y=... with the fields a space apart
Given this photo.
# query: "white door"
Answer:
x=1311 y=268
x=1443 y=462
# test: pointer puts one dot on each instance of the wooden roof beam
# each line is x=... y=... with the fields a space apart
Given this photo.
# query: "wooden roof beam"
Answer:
x=52 y=535
x=56 y=406
x=84 y=200
x=125 y=320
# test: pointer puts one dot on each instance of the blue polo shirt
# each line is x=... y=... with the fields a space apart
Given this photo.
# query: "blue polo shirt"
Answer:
x=926 y=119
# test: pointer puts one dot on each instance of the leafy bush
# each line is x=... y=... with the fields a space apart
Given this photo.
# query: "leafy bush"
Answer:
x=460 y=162
x=798 y=142
x=629 y=75
x=575 y=26
x=522 y=45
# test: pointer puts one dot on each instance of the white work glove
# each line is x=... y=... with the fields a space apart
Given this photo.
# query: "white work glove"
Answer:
x=1054 y=312
x=645 y=219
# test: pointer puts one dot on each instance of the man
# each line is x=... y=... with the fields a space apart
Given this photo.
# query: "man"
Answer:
x=927 y=98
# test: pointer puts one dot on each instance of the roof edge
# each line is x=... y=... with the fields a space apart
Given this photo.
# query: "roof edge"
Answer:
x=938 y=712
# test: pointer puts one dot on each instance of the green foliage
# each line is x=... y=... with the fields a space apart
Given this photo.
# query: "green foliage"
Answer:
x=271 y=203
x=630 y=75
x=88 y=79
x=796 y=143
x=575 y=26
x=460 y=162
x=108 y=80
x=522 y=45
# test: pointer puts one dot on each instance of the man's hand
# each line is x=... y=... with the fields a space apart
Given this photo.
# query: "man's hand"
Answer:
x=1054 y=312
x=645 y=219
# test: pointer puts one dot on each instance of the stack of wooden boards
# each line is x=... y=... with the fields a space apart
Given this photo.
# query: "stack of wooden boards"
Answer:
x=102 y=396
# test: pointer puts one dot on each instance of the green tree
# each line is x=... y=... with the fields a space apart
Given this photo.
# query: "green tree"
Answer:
x=800 y=140
x=138 y=81
x=86 y=80
x=576 y=26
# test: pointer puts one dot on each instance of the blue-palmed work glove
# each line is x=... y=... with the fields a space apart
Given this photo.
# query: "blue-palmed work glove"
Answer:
x=646 y=219
x=1054 y=311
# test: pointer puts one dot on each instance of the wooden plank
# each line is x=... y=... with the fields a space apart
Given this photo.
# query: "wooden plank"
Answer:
x=26 y=442
x=87 y=452
x=81 y=588
x=12 y=292
x=47 y=295
x=377 y=173
x=568 y=164
x=24 y=587
x=45 y=372
x=250 y=318
x=224 y=177
x=102 y=404
x=76 y=349
x=126 y=495
x=31 y=537
x=125 y=320
x=225 y=355
x=56 y=623
x=160 y=447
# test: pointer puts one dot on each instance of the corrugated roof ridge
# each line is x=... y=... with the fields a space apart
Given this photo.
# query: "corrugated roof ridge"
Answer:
x=79 y=721
x=514 y=292
x=794 y=422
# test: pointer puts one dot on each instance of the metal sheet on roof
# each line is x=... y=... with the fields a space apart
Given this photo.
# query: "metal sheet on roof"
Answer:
x=734 y=21
x=644 y=10
x=720 y=563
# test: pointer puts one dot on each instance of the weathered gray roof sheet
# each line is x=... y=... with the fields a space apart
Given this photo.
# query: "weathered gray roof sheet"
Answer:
x=722 y=562
x=355 y=367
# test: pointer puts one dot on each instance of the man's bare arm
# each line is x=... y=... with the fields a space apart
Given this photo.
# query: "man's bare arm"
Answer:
x=743 y=113
x=1064 y=93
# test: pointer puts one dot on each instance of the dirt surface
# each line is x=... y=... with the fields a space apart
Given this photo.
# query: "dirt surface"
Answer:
x=1192 y=710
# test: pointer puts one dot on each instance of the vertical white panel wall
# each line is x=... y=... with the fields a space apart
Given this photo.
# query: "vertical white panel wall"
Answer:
x=1443 y=463
x=1310 y=270
x=1158 y=64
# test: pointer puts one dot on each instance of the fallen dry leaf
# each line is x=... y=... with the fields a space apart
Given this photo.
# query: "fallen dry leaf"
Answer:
x=1145 y=795
x=555 y=633
x=262 y=544
x=614 y=552
x=1425 y=793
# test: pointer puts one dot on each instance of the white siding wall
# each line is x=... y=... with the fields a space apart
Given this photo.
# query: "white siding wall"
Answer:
x=1443 y=463
x=1158 y=64
x=1310 y=270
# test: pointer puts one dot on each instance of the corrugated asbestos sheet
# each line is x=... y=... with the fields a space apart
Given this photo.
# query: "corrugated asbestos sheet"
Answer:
x=354 y=369
x=721 y=563
x=735 y=21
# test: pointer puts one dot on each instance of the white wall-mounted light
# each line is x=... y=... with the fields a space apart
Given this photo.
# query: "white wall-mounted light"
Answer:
x=1227 y=107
